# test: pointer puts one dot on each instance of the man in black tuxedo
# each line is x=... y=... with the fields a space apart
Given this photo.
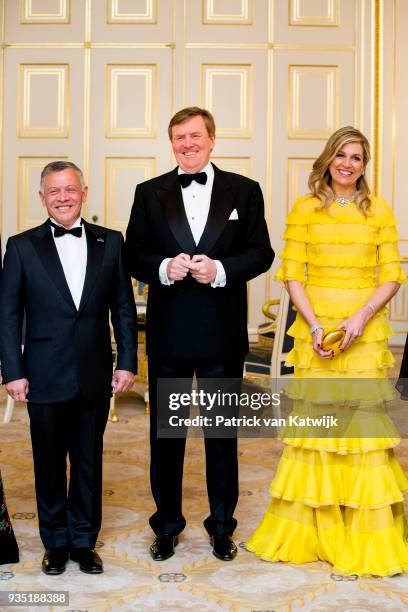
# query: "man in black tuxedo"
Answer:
x=67 y=275
x=196 y=235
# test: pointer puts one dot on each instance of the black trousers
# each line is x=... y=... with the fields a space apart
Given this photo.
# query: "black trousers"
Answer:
x=69 y=519
x=167 y=454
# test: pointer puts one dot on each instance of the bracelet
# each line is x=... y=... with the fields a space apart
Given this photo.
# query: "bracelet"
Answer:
x=314 y=328
x=371 y=306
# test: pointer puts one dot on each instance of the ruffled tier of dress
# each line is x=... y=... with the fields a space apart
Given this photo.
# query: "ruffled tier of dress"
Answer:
x=365 y=542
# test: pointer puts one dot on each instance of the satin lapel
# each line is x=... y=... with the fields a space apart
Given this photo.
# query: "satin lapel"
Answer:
x=171 y=201
x=221 y=206
x=47 y=252
x=96 y=248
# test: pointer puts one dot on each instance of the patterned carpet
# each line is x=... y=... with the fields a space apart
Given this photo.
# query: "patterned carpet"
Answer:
x=193 y=579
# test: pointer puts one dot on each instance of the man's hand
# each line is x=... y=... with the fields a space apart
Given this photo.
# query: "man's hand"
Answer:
x=203 y=269
x=18 y=389
x=178 y=267
x=122 y=380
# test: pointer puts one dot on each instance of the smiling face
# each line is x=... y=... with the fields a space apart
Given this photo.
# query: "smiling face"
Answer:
x=346 y=168
x=63 y=196
x=191 y=144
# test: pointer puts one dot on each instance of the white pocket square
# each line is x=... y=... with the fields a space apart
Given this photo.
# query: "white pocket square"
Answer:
x=233 y=215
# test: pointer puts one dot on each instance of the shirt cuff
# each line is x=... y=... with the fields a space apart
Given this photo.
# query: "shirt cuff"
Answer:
x=164 y=279
x=220 y=277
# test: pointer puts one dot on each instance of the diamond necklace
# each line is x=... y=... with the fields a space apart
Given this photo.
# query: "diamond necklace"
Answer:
x=344 y=201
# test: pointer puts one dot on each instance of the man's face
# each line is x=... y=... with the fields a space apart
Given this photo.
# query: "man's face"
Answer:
x=191 y=144
x=63 y=196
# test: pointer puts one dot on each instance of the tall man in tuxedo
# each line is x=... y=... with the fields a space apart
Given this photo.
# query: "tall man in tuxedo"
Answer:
x=196 y=235
x=67 y=276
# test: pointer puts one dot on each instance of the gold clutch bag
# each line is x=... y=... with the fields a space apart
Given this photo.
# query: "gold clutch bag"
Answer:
x=332 y=339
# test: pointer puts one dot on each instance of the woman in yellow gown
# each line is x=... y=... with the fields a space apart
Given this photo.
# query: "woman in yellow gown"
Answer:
x=339 y=500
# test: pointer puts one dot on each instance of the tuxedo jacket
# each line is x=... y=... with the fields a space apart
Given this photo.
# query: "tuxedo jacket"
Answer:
x=66 y=350
x=189 y=319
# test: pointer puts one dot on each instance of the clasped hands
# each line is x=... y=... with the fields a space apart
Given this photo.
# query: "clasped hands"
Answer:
x=354 y=328
x=122 y=380
x=202 y=268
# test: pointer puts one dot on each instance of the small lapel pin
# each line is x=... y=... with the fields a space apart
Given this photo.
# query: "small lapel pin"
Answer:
x=100 y=239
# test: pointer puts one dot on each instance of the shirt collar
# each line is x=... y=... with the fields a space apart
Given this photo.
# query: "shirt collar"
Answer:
x=208 y=169
x=77 y=223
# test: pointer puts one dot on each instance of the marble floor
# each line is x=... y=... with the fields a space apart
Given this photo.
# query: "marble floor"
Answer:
x=193 y=579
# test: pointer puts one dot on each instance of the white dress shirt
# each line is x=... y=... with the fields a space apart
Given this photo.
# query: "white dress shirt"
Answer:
x=73 y=254
x=196 y=200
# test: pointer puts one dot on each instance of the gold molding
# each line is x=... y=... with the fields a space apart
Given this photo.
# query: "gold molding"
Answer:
x=210 y=17
x=27 y=17
x=26 y=72
x=87 y=45
x=2 y=20
x=292 y=177
x=115 y=17
x=271 y=45
x=44 y=45
x=23 y=168
x=219 y=45
x=399 y=315
x=226 y=162
x=112 y=164
x=87 y=97
x=271 y=24
x=173 y=60
x=378 y=94
x=113 y=73
x=244 y=72
x=295 y=132
x=88 y=22
x=312 y=47
x=331 y=20
x=394 y=104
x=171 y=45
x=359 y=66
x=269 y=141
x=184 y=56
x=129 y=45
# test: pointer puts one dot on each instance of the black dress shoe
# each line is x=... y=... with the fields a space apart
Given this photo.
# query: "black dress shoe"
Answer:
x=223 y=547
x=89 y=560
x=54 y=561
x=163 y=547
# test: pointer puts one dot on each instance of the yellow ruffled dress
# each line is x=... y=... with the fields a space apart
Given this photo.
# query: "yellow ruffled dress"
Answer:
x=339 y=499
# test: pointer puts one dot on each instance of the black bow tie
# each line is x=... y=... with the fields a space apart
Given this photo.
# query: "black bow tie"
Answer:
x=61 y=231
x=187 y=179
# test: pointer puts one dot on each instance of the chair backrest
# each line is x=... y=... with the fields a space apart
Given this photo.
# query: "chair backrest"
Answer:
x=282 y=342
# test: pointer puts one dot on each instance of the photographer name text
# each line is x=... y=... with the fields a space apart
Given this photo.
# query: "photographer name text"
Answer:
x=326 y=421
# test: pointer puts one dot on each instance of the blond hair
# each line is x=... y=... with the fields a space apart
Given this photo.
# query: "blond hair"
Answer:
x=320 y=178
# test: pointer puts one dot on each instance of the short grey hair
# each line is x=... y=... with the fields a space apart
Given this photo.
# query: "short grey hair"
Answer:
x=59 y=166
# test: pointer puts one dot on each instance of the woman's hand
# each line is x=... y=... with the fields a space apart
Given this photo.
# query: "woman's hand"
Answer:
x=317 y=345
x=354 y=326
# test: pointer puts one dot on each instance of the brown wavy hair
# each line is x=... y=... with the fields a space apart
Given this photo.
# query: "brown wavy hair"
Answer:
x=320 y=179
x=192 y=111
